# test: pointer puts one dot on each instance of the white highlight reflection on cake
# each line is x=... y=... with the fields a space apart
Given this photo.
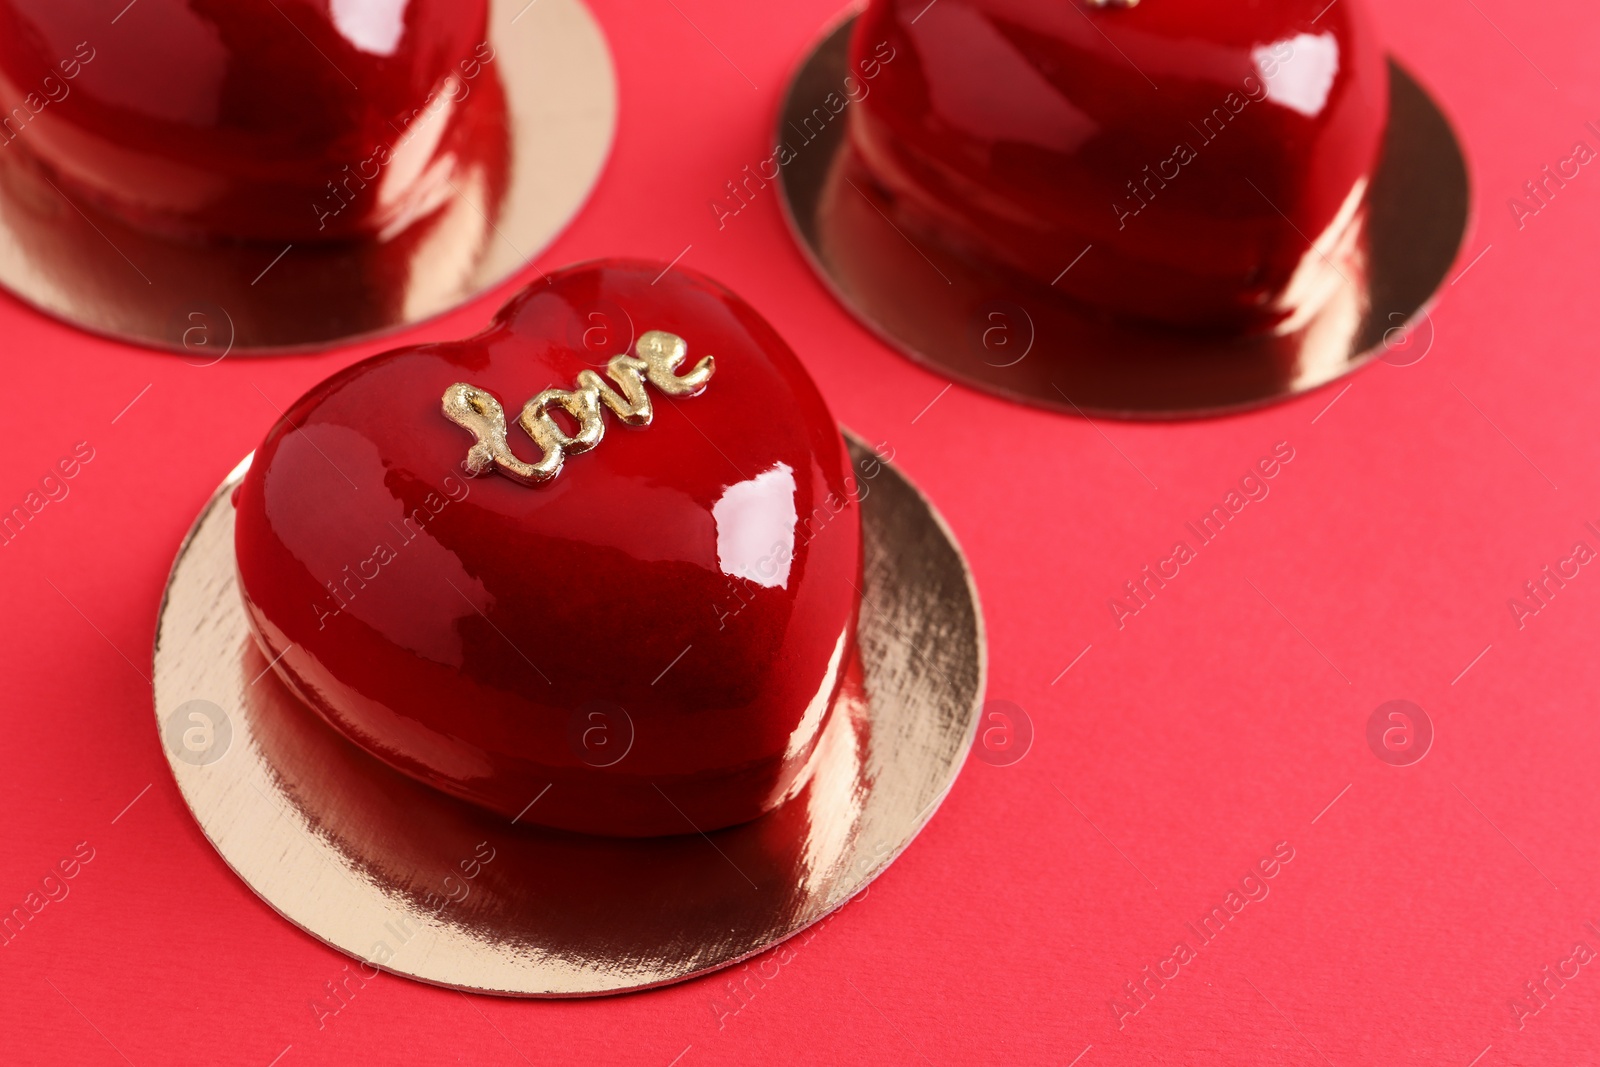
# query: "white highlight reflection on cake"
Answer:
x=756 y=520
x=1301 y=82
x=374 y=26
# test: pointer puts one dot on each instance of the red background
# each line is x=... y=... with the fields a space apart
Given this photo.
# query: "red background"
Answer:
x=1170 y=758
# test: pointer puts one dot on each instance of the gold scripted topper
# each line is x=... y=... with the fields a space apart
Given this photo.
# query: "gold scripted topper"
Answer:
x=660 y=354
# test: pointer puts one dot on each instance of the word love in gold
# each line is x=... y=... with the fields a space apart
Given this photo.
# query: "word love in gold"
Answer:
x=660 y=354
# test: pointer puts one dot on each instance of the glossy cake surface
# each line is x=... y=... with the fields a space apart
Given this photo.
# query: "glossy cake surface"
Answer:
x=654 y=633
x=1198 y=149
x=295 y=120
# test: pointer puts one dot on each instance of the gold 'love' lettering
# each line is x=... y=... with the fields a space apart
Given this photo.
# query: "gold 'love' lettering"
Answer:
x=658 y=356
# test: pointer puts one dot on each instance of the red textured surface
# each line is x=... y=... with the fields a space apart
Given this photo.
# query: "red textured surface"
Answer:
x=1187 y=743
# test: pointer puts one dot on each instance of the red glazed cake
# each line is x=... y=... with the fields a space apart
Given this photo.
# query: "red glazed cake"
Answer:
x=1211 y=156
x=291 y=120
x=601 y=559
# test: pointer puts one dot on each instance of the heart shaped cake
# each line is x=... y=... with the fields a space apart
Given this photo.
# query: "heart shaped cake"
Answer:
x=1210 y=159
x=594 y=568
x=292 y=120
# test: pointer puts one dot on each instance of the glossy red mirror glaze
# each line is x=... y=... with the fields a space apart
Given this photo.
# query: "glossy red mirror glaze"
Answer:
x=655 y=634
x=1199 y=146
x=295 y=120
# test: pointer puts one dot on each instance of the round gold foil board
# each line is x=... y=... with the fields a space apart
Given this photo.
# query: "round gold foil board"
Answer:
x=420 y=884
x=527 y=174
x=1028 y=343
